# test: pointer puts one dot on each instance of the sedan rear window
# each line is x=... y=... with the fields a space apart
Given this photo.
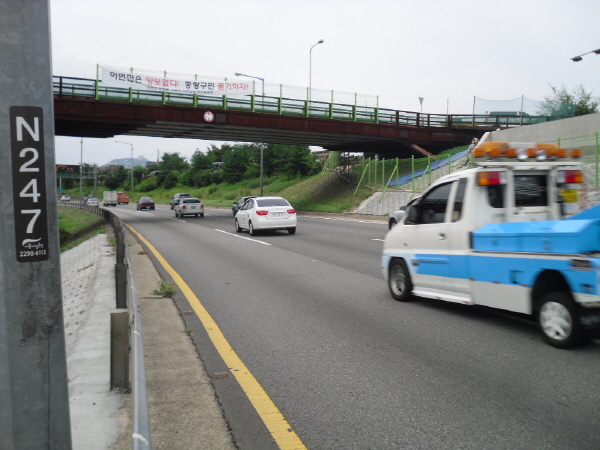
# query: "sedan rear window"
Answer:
x=272 y=202
x=192 y=200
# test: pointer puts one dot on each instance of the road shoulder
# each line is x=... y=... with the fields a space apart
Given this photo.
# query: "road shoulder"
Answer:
x=184 y=412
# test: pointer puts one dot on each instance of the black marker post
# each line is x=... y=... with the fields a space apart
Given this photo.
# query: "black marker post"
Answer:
x=34 y=400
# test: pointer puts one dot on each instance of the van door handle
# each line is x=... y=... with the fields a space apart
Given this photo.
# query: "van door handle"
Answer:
x=442 y=236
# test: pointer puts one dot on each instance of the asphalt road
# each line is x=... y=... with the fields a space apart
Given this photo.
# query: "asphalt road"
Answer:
x=350 y=368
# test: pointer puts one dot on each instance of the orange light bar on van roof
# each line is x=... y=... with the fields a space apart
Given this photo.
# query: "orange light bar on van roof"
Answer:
x=490 y=149
x=522 y=151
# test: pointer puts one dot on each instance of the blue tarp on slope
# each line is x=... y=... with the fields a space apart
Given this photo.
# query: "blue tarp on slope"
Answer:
x=434 y=165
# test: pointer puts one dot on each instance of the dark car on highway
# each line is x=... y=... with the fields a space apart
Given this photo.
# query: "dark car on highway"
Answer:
x=177 y=197
x=145 y=203
x=237 y=205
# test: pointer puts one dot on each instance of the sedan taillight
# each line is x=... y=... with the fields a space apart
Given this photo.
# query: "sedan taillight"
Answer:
x=262 y=212
x=291 y=211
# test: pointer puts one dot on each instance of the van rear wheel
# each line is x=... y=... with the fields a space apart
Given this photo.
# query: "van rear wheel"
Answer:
x=399 y=281
x=558 y=321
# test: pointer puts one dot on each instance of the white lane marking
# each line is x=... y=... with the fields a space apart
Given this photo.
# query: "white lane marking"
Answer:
x=243 y=237
x=378 y=240
x=345 y=220
x=181 y=220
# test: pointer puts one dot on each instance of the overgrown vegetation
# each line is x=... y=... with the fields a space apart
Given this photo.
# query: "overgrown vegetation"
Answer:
x=224 y=174
x=164 y=289
x=76 y=225
x=563 y=103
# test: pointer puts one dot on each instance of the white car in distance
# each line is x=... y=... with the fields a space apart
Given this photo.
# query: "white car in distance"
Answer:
x=189 y=207
x=92 y=202
x=266 y=213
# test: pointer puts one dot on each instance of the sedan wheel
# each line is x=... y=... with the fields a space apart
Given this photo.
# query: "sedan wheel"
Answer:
x=399 y=281
x=176 y=215
x=292 y=230
x=559 y=322
x=251 y=229
x=237 y=226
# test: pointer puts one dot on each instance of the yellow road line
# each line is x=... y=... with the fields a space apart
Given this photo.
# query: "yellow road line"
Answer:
x=277 y=425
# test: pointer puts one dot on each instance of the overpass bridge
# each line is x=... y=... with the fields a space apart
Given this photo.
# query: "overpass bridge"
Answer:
x=85 y=108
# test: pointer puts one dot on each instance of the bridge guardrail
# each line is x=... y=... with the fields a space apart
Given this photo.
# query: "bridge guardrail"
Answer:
x=85 y=87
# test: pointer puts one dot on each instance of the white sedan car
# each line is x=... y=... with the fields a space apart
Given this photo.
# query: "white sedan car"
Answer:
x=266 y=213
x=92 y=202
x=189 y=207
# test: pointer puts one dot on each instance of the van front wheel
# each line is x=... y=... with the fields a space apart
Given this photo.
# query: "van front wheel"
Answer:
x=399 y=281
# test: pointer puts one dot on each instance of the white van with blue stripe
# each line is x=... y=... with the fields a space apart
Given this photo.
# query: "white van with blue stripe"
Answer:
x=505 y=234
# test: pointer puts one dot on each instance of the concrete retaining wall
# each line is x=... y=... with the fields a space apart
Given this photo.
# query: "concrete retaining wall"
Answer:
x=569 y=128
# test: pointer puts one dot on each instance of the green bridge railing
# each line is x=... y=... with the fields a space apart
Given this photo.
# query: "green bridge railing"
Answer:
x=90 y=88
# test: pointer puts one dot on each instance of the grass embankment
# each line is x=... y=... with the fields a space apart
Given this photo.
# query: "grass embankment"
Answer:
x=325 y=192
x=76 y=225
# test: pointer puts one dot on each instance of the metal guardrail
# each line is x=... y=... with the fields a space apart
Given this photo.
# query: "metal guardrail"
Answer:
x=127 y=299
x=141 y=412
x=85 y=87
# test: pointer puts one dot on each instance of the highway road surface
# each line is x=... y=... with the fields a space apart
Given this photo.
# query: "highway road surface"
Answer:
x=348 y=367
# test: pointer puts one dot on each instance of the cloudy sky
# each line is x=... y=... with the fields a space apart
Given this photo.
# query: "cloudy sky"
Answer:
x=446 y=51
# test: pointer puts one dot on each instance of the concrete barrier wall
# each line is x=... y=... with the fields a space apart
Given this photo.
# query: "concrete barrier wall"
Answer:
x=571 y=127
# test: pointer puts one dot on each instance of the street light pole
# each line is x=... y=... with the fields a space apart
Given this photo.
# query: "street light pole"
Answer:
x=310 y=70
x=121 y=142
x=237 y=74
x=81 y=175
x=579 y=58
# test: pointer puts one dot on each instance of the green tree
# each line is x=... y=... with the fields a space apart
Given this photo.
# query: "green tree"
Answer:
x=111 y=182
x=235 y=163
x=68 y=183
x=138 y=174
x=200 y=161
x=292 y=160
x=170 y=181
x=173 y=161
x=563 y=103
x=188 y=178
x=203 y=178
x=215 y=154
x=121 y=175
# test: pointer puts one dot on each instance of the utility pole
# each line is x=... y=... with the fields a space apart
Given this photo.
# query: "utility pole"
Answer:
x=34 y=394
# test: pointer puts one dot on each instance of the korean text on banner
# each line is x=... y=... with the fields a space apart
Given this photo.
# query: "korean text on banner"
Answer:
x=140 y=80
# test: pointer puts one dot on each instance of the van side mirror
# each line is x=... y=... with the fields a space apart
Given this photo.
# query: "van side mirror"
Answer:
x=413 y=214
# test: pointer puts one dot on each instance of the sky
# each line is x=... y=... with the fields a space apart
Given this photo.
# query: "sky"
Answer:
x=445 y=51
